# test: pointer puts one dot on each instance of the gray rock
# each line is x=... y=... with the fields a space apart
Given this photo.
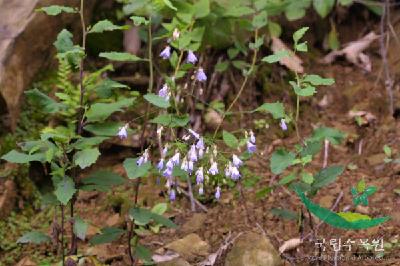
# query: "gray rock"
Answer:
x=26 y=41
x=252 y=249
x=189 y=247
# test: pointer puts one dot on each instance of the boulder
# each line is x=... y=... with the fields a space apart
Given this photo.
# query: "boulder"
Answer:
x=252 y=249
x=190 y=247
x=26 y=45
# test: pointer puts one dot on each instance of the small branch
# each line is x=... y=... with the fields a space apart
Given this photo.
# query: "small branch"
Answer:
x=204 y=208
x=326 y=153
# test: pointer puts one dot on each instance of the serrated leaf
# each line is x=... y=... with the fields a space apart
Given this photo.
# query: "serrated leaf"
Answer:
x=230 y=140
x=280 y=160
x=65 y=190
x=80 y=228
x=323 y=7
x=276 y=57
x=104 y=129
x=317 y=80
x=106 y=25
x=283 y=213
x=18 y=157
x=107 y=235
x=135 y=171
x=335 y=219
x=86 y=157
x=120 y=56
x=277 y=109
x=34 y=237
x=327 y=176
x=47 y=104
x=64 y=41
x=299 y=34
x=101 y=111
x=55 y=10
x=170 y=120
x=157 y=100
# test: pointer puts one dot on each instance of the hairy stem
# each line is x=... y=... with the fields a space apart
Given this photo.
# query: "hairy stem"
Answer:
x=246 y=78
x=62 y=234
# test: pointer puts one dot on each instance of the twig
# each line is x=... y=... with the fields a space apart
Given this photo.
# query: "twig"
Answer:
x=184 y=192
x=385 y=18
x=360 y=146
x=326 y=153
x=190 y=192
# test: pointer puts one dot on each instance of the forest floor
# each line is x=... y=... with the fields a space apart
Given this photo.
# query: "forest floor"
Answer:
x=361 y=153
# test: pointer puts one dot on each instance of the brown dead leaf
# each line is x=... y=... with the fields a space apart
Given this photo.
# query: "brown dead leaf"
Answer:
x=293 y=62
x=353 y=52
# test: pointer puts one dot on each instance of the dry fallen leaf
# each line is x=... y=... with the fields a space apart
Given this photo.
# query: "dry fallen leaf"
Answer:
x=293 y=62
x=290 y=244
x=353 y=52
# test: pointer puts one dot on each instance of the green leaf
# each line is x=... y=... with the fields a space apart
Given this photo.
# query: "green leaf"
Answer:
x=106 y=25
x=306 y=92
x=323 y=7
x=280 y=160
x=277 y=109
x=140 y=216
x=107 y=235
x=335 y=219
x=201 y=8
x=222 y=66
x=86 y=157
x=333 y=39
x=274 y=29
x=34 y=237
x=260 y=20
x=353 y=216
x=230 y=140
x=361 y=186
x=135 y=171
x=276 y=57
x=299 y=34
x=238 y=11
x=101 y=111
x=317 y=80
x=144 y=254
x=163 y=221
x=65 y=190
x=345 y=2
x=333 y=135
x=18 y=157
x=55 y=10
x=157 y=100
x=287 y=179
x=170 y=120
x=109 y=129
x=105 y=88
x=283 y=213
x=301 y=47
x=120 y=56
x=293 y=12
x=84 y=143
x=64 y=41
x=170 y=5
x=47 y=104
x=80 y=228
x=262 y=193
x=387 y=150
x=102 y=181
x=327 y=176
x=160 y=208
x=137 y=21
x=307 y=178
